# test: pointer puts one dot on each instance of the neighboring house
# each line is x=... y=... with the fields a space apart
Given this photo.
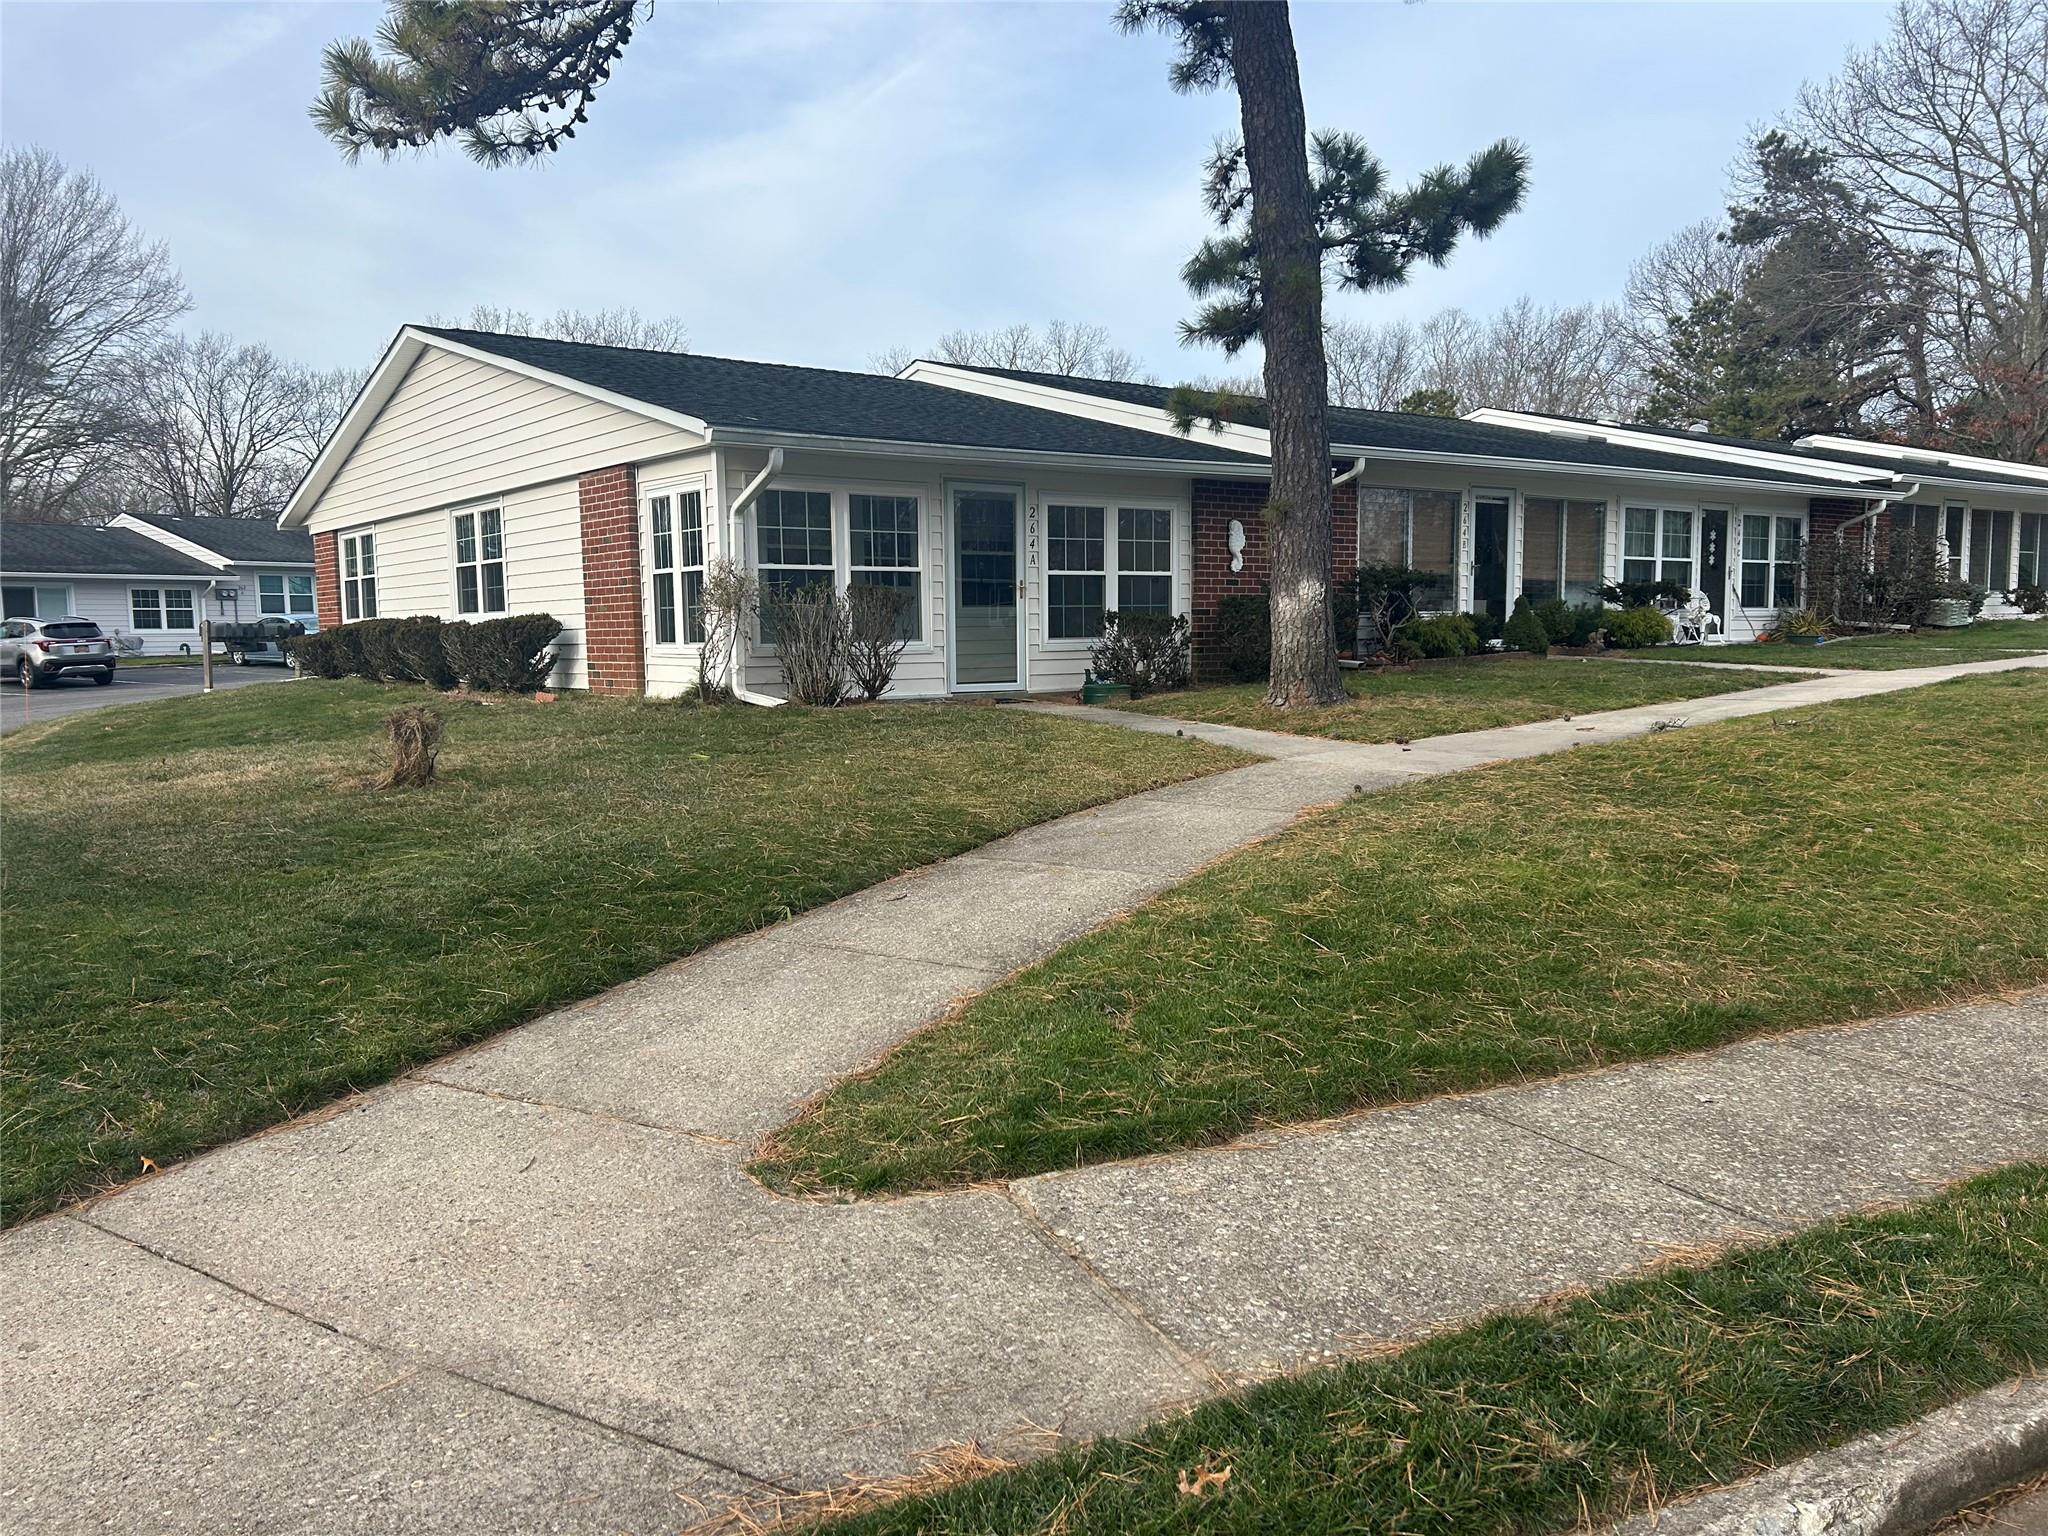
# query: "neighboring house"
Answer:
x=481 y=474
x=149 y=581
x=264 y=571
x=112 y=576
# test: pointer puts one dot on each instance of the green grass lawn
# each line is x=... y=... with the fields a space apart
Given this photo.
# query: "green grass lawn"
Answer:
x=1438 y=699
x=209 y=924
x=1655 y=895
x=1994 y=640
x=1602 y=1406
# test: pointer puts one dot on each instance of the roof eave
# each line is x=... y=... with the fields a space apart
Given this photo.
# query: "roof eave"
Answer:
x=755 y=437
x=1871 y=490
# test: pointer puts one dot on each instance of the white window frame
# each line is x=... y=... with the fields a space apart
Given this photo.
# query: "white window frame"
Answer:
x=161 y=596
x=841 y=491
x=284 y=579
x=355 y=558
x=1665 y=511
x=36 y=590
x=476 y=512
x=678 y=570
x=920 y=626
x=1739 y=565
x=1112 y=572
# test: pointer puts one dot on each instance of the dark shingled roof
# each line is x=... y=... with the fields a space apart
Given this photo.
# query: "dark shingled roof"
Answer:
x=822 y=402
x=244 y=540
x=1905 y=468
x=1405 y=432
x=67 y=549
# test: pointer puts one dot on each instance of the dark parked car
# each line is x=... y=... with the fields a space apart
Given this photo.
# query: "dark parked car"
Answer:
x=39 y=651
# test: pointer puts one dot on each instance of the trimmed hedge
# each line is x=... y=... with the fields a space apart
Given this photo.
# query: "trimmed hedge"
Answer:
x=1629 y=628
x=1444 y=634
x=509 y=655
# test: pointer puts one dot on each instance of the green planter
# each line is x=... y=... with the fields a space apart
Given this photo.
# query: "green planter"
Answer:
x=1805 y=639
x=1104 y=693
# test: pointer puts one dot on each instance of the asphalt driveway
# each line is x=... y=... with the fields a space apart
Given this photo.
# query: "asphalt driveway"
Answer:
x=131 y=685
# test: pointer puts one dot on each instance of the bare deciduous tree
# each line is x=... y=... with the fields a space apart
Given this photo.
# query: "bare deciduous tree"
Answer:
x=622 y=326
x=1940 y=135
x=1060 y=346
x=80 y=292
x=221 y=430
x=1670 y=280
x=1573 y=360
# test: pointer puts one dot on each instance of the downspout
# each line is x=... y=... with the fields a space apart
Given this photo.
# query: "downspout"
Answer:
x=1357 y=468
x=736 y=662
x=1902 y=493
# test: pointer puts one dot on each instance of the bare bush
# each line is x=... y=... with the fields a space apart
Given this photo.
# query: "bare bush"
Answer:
x=728 y=601
x=875 y=639
x=414 y=733
x=813 y=636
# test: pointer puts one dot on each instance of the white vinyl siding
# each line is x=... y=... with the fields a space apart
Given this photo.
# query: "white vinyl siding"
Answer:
x=456 y=430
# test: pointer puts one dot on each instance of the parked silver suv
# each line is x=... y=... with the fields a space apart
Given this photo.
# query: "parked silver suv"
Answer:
x=39 y=651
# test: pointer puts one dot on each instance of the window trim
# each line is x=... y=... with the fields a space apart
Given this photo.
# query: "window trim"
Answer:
x=919 y=604
x=349 y=588
x=673 y=491
x=1774 y=557
x=164 y=626
x=1041 y=503
x=456 y=564
x=841 y=489
x=1663 y=511
x=284 y=579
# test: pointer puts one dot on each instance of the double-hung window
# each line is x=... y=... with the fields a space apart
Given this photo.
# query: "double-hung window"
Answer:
x=793 y=530
x=480 y=561
x=1770 y=561
x=162 y=608
x=885 y=553
x=1144 y=560
x=676 y=521
x=358 y=576
x=2033 y=548
x=1656 y=544
x=1639 y=544
x=1074 y=574
x=284 y=597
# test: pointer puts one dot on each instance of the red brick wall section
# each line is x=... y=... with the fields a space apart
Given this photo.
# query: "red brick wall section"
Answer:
x=1825 y=514
x=1216 y=502
x=326 y=579
x=614 y=644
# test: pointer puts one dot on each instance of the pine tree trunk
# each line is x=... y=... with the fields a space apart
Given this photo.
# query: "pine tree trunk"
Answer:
x=1291 y=272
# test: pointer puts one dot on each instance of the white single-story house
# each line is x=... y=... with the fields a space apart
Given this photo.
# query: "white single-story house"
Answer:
x=148 y=581
x=481 y=474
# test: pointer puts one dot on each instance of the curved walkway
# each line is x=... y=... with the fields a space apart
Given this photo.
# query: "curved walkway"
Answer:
x=531 y=1288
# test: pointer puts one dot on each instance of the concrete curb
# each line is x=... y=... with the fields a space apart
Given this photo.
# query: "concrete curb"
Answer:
x=1895 y=1483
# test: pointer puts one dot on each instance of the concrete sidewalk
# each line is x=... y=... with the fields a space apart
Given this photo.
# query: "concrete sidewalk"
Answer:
x=530 y=1287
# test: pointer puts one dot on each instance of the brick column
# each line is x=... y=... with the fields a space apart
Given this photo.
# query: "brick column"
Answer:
x=1216 y=503
x=326 y=580
x=614 y=642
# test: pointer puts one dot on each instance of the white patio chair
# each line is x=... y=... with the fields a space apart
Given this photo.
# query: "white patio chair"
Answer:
x=1692 y=621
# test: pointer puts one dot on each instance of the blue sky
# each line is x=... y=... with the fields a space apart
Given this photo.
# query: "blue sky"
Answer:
x=813 y=183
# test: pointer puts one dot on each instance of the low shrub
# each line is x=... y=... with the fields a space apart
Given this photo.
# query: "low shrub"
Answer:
x=347 y=645
x=1629 y=628
x=875 y=637
x=1569 y=623
x=316 y=655
x=510 y=655
x=1146 y=652
x=377 y=644
x=1526 y=632
x=1488 y=627
x=2031 y=598
x=421 y=656
x=1389 y=596
x=1444 y=634
x=1244 y=637
x=1644 y=594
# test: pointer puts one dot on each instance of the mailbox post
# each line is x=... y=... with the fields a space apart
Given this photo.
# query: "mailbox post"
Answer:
x=206 y=655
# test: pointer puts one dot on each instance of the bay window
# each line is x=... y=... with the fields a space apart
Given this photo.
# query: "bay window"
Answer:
x=480 y=561
x=886 y=551
x=359 y=576
x=1075 y=578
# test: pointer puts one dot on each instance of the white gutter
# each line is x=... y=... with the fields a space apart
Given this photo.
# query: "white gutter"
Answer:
x=1902 y=493
x=1877 y=483
x=736 y=662
x=1921 y=460
x=1357 y=468
x=1115 y=463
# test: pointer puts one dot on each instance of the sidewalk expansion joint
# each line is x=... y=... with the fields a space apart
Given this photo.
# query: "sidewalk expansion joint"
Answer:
x=419 y=1363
